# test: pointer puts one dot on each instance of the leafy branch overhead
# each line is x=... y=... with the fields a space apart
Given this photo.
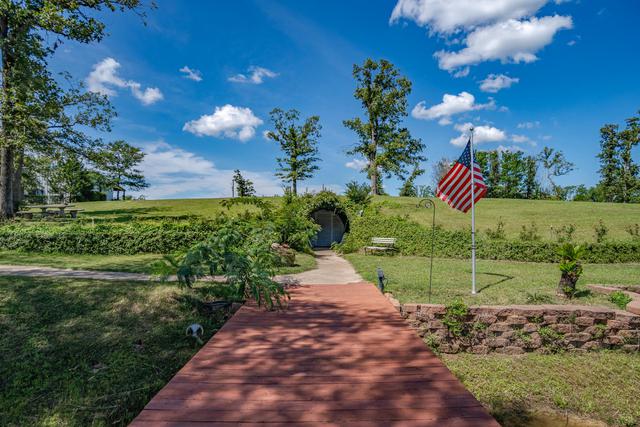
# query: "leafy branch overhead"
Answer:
x=40 y=113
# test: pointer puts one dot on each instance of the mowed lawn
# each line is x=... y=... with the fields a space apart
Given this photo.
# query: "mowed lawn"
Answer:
x=498 y=282
x=77 y=352
x=514 y=213
x=601 y=386
x=141 y=263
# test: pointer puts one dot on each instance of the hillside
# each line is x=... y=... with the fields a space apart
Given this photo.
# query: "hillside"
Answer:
x=512 y=212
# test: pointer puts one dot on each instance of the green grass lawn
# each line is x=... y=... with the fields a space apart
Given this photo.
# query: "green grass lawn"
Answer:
x=128 y=263
x=498 y=282
x=601 y=385
x=514 y=213
x=77 y=352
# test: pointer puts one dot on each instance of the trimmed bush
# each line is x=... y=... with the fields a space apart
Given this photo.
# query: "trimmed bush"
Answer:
x=415 y=239
x=107 y=238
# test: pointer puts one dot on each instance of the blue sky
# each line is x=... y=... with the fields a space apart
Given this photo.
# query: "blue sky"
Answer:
x=553 y=73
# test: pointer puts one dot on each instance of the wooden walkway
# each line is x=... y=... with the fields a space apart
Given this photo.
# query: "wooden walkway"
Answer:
x=340 y=355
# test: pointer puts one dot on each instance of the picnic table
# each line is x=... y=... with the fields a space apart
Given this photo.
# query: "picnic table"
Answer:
x=61 y=209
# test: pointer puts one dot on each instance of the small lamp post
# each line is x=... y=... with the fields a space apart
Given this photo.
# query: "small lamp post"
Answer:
x=381 y=279
x=428 y=204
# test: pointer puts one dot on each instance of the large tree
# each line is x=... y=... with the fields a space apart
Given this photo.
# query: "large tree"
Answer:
x=242 y=186
x=36 y=109
x=388 y=147
x=619 y=174
x=555 y=165
x=298 y=142
x=119 y=162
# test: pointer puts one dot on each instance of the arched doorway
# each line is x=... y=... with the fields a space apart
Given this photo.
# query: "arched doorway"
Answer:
x=332 y=228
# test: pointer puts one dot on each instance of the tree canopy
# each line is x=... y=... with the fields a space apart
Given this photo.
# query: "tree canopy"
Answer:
x=299 y=144
x=388 y=148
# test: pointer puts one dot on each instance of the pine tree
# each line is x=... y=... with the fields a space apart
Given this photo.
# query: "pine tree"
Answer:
x=299 y=143
x=243 y=186
x=119 y=161
x=388 y=148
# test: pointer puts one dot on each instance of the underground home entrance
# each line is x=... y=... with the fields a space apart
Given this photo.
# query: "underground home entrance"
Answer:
x=333 y=226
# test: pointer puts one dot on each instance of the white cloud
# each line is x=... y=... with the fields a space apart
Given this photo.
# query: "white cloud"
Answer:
x=227 y=121
x=357 y=164
x=494 y=82
x=449 y=16
x=529 y=125
x=522 y=139
x=480 y=134
x=173 y=172
x=450 y=105
x=104 y=78
x=191 y=74
x=508 y=41
x=464 y=72
x=256 y=76
x=512 y=148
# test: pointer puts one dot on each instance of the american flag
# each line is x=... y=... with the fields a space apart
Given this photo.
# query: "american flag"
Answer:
x=455 y=187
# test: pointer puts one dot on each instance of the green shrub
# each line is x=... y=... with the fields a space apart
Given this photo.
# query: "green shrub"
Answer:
x=358 y=194
x=633 y=230
x=498 y=233
x=455 y=316
x=415 y=239
x=242 y=253
x=620 y=299
x=106 y=238
x=529 y=234
x=600 y=231
x=565 y=233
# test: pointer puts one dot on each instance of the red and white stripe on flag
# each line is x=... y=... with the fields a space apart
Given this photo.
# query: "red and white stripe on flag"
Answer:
x=455 y=187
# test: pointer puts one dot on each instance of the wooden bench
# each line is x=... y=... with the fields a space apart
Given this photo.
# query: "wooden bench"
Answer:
x=381 y=244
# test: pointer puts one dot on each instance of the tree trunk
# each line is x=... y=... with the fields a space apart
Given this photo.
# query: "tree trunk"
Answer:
x=18 y=193
x=294 y=187
x=373 y=176
x=124 y=193
x=6 y=148
x=566 y=286
x=373 y=168
x=6 y=180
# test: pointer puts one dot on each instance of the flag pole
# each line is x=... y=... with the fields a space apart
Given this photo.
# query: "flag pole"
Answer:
x=473 y=220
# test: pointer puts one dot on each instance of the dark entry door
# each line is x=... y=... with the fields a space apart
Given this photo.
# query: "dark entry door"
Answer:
x=332 y=228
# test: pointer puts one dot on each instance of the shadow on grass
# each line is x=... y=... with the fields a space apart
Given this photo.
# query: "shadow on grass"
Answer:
x=503 y=278
x=79 y=352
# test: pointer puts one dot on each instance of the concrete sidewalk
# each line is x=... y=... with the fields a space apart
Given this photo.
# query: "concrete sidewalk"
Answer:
x=330 y=269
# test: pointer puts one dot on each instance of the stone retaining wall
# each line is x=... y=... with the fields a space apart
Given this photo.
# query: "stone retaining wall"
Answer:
x=524 y=328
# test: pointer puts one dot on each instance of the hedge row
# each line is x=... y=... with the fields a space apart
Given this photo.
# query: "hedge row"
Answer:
x=415 y=239
x=105 y=239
